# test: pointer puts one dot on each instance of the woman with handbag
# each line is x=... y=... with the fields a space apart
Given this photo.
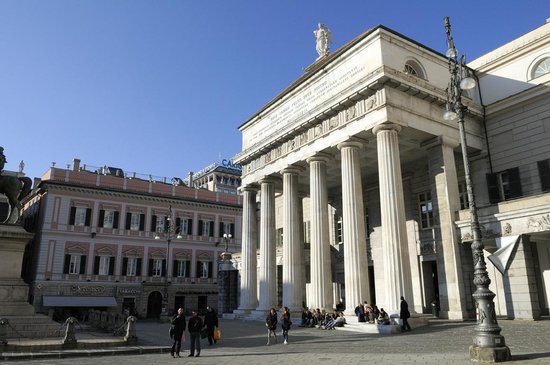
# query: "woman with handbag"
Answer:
x=271 y=324
x=177 y=332
x=211 y=323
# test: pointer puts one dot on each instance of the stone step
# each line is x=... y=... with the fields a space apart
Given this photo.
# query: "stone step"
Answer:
x=32 y=327
x=393 y=328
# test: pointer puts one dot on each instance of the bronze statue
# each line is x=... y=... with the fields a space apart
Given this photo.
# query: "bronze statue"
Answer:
x=2 y=159
x=15 y=189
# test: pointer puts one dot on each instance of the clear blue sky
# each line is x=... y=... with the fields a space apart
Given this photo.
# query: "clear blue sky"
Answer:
x=160 y=86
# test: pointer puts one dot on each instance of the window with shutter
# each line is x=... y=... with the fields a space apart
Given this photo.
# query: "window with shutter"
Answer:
x=135 y=221
x=80 y=217
x=108 y=219
x=74 y=264
x=504 y=185
x=201 y=227
x=425 y=210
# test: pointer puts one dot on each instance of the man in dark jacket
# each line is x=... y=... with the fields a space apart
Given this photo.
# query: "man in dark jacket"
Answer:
x=211 y=322
x=404 y=315
x=178 y=327
x=195 y=327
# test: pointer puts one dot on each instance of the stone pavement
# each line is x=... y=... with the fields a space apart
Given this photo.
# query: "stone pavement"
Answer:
x=244 y=342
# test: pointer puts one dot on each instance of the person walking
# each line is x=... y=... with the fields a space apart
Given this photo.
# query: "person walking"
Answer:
x=178 y=326
x=271 y=324
x=285 y=323
x=195 y=327
x=404 y=315
x=211 y=323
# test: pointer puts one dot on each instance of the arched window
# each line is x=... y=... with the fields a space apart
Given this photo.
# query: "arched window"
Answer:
x=414 y=68
x=542 y=68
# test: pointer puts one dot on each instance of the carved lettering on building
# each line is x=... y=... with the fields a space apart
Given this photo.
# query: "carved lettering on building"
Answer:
x=129 y=291
x=343 y=117
x=92 y=289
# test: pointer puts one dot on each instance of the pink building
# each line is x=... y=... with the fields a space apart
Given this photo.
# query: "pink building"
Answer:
x=95 y=243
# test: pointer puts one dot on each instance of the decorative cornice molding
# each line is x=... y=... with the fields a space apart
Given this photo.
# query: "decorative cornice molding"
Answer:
x=138 y=196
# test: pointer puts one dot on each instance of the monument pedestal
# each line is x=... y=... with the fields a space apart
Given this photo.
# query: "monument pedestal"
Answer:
x=14 y=291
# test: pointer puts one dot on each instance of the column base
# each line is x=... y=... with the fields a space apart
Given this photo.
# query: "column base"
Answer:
x=490 y=354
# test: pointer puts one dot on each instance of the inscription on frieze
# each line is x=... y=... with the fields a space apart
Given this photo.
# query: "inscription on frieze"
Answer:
x=307 y=100
x=316 y=131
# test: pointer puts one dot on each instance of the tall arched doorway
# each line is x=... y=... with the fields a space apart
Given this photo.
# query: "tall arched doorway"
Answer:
x=154 y=305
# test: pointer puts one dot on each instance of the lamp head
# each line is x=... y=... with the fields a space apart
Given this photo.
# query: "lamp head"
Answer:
x=467 y=83
x=451 y=53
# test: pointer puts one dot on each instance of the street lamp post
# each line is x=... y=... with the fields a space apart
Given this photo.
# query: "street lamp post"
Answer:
x=489 y=344
x=169 y=231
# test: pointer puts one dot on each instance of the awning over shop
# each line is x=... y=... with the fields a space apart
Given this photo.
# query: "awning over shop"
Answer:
x=75 y=301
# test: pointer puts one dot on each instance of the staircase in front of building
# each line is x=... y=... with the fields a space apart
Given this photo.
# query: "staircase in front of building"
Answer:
x=37 y=326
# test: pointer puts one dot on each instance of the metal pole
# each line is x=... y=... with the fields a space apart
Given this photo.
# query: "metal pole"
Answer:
x=489 y=345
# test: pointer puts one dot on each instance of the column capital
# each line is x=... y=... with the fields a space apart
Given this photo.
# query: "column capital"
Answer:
x=268 y=180
x=292 y=169
x=319 y=157
x=386 y=127
x=251 y=188
x=353 y=142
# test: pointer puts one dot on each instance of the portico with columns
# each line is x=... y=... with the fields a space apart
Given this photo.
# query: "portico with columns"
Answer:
x=355 y=136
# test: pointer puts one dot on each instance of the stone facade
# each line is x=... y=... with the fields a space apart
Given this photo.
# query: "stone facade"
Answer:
x=96 y=243
x=360 y=139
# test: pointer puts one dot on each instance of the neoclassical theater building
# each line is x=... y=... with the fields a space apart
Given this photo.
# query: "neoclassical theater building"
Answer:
x=357 y=148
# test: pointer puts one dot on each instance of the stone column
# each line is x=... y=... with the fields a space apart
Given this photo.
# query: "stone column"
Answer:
x=293 y=262
x=268 y=264
x=395 y=252
x=249 y=293
x=356 y=271
x=321 y=274
x=446 y=201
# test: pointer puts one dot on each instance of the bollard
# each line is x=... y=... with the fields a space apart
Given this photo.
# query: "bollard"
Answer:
x=4 y=323
x=131 y=336
x=69 y=340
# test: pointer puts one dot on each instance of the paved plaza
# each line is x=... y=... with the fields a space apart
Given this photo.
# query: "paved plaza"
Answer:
x=244 y=342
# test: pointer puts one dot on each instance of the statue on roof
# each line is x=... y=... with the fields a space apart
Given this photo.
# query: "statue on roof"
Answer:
x=323 y=36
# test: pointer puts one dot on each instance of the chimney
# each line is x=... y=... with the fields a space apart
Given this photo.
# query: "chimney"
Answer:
x=190 y=179
x=76 y=164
